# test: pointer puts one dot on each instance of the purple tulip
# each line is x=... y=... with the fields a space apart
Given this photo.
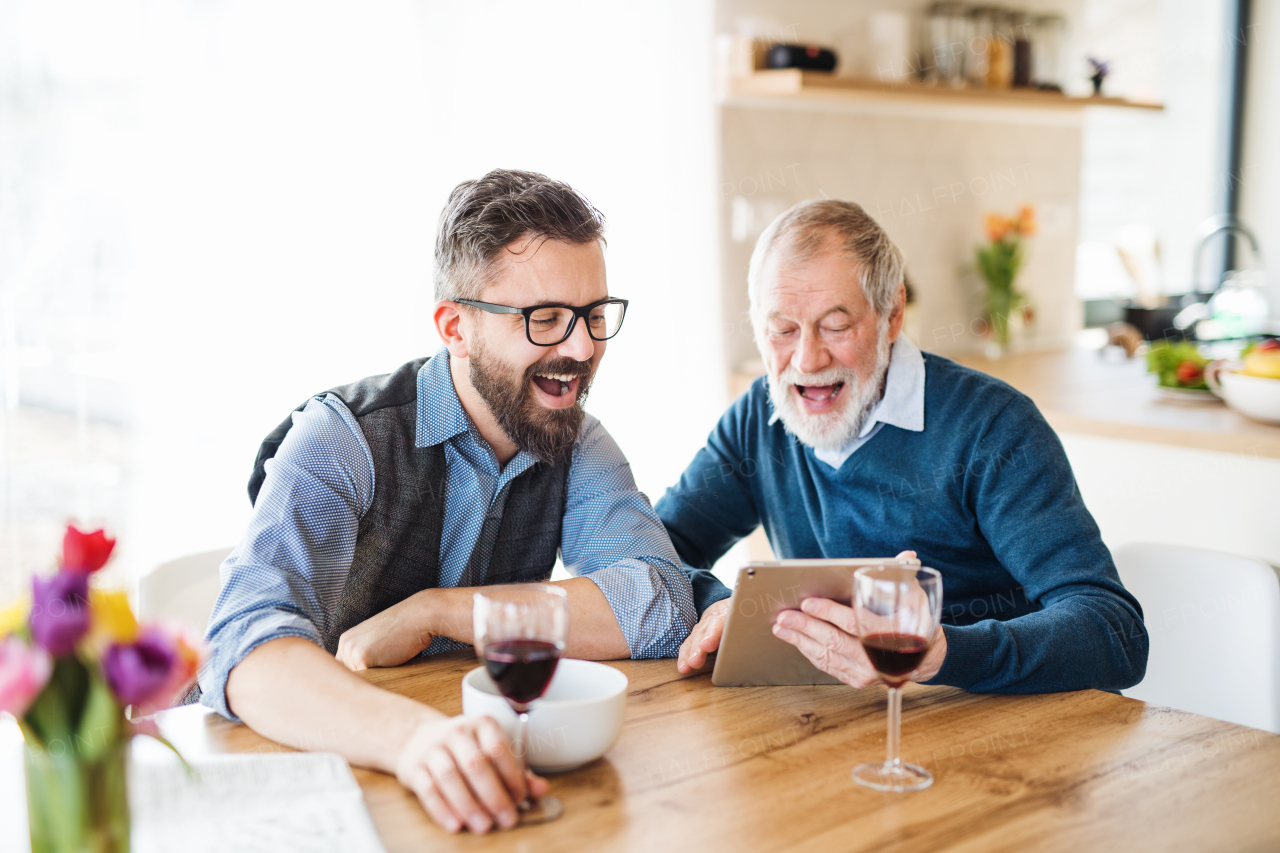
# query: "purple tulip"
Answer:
x=135 y=671
x=60 y=611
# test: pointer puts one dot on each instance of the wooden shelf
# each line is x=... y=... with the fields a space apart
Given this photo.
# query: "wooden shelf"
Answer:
x=794 y=83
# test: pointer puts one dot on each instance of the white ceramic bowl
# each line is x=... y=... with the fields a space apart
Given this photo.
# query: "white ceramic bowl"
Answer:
x=576 y=721
x=1252 y=396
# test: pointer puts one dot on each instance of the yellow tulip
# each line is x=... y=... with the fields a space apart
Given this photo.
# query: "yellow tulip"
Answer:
x=113 y=619
x=14 y=616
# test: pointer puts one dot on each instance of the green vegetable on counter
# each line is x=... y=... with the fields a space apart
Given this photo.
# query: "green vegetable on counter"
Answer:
x=1179 y=365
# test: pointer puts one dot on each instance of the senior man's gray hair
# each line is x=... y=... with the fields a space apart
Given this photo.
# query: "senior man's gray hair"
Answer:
x=803 y=229
x=482 y=217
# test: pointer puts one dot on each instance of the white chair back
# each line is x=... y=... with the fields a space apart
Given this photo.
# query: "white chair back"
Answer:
x=184 y=589
x=1214 y=624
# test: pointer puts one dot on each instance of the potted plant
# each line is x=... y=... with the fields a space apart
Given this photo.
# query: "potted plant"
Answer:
x=73 y=660
x=999 y=261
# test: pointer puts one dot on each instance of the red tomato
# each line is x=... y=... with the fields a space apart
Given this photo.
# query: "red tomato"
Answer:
x=1189 y=373
x=1268 y=344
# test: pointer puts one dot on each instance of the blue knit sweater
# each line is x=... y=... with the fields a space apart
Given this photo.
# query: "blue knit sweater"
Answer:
x=1032 y=602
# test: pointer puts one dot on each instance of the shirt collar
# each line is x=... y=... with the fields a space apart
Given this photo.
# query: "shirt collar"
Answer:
x=441 y=418
x=440 y=412
x=903 y=402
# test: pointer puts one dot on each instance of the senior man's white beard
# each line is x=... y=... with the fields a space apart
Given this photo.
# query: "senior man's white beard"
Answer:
x=832 y=430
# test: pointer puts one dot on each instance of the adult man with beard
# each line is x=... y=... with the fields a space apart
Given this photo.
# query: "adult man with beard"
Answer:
x=379 y=506
x=856 y=444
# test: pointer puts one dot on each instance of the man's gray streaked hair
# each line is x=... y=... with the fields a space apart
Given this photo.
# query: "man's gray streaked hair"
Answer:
x=484 y=216
x=803 y=229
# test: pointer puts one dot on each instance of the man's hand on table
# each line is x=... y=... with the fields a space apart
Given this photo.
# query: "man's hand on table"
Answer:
x=464 y=773
x=389 y=638
x=705 y=636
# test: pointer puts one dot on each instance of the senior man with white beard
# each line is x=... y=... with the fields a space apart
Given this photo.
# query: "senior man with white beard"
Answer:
x=856 y=444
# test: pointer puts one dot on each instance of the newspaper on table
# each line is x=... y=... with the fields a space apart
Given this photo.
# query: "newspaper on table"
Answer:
x=307 y=802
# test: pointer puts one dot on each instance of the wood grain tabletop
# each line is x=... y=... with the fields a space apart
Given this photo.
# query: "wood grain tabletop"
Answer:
x=702 y=768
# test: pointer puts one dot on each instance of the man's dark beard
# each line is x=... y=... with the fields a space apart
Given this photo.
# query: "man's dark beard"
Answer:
x=547 y=434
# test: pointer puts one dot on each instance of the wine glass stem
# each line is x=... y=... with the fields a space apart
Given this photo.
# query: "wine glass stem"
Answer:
x=895 y=726
x=522 y=745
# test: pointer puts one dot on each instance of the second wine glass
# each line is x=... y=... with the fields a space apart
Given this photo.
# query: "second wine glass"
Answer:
x=897 y=610
x=520 y=632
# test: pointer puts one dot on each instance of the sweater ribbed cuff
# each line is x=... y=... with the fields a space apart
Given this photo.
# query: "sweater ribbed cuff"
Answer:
x=970 y=656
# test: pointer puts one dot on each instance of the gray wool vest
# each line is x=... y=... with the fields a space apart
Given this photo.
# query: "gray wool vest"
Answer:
x=397 y=549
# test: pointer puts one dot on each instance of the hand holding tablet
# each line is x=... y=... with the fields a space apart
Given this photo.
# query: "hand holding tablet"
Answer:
x=742 y=627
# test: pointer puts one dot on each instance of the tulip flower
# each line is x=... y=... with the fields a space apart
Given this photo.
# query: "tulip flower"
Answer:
x=136 y=672
x=60 y=611
x=999 y=261
x=187 y=654
x=85 y=552
x=996 y=227
x=111 y=618
x=24 y=671
x=1026 y=220
x=14 y=616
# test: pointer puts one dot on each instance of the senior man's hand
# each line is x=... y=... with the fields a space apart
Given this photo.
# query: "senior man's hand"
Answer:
x=825 y=632
x=705 y=636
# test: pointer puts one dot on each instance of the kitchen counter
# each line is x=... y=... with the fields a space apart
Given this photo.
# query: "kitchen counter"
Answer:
x=1081 y=392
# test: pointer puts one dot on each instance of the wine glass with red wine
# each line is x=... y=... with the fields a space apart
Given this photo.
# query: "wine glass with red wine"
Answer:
x=896 y=609
x=520 y=632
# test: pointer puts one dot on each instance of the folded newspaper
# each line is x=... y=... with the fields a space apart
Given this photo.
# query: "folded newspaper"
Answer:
x=305 y=801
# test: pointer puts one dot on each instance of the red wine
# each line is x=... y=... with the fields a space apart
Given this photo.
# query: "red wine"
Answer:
x=522 y=669
x=895 y=655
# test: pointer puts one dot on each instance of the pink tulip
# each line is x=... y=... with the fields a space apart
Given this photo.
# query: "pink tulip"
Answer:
x=24 y=671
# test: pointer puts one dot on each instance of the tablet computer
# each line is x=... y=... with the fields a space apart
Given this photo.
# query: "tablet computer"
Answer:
x=750 y=655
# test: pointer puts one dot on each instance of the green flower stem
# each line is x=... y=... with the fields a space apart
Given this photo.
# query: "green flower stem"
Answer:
x=999 y=263
x=77 y=805
x=76 y=753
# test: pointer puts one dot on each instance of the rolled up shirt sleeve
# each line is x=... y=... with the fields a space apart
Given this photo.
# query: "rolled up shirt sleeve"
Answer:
x=285 y=576
x=611 y=535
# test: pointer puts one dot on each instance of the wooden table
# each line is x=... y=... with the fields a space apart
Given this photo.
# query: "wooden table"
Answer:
x=703 y=768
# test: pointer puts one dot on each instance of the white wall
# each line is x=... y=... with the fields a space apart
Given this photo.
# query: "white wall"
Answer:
x=288 y=163
x=928 y=176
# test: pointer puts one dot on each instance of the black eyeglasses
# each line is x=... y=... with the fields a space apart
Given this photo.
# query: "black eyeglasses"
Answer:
x=548 y=325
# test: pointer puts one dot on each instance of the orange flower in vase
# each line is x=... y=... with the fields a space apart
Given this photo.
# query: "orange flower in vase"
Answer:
x=1025 y=223
x=999 y=262
x=996 y=226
